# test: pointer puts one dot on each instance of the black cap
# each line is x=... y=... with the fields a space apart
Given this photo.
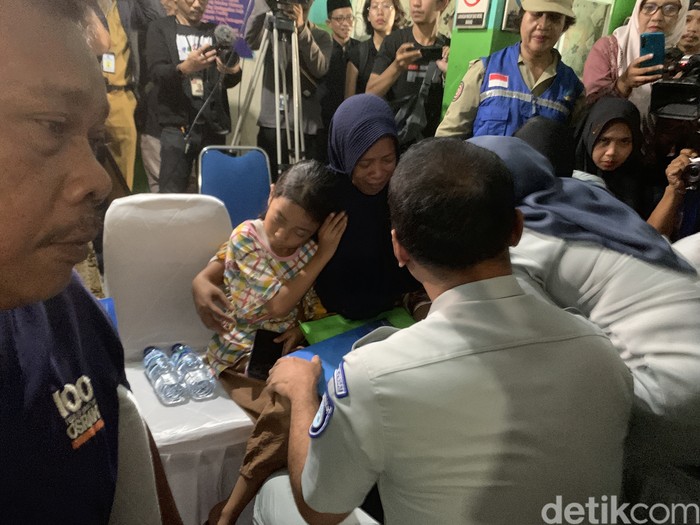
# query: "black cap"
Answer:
x=332 y=5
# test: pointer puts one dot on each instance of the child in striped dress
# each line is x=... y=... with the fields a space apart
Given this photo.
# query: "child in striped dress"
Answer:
x=270 y=267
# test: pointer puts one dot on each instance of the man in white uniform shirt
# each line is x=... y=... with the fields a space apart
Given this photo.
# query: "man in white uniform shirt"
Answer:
x=485 y=411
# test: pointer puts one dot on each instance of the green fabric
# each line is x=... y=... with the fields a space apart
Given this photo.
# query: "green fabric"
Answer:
x=317 y=331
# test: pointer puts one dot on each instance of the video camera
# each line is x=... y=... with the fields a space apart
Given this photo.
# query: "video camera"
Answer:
x=279 y=10
x=677 y=95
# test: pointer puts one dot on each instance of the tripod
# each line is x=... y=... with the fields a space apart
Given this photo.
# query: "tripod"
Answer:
x=282 y=30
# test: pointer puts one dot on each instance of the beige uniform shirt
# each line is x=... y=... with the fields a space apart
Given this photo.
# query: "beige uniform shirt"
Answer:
x=460 y=115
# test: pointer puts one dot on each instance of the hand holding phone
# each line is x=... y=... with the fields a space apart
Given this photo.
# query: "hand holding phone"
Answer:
x=652 y=44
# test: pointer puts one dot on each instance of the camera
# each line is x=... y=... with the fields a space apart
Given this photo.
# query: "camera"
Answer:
x=677 y=95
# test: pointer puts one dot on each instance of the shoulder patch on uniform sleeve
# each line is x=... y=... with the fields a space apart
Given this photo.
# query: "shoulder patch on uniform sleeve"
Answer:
x=341 y=386
x=458 y=93
x=323 y=416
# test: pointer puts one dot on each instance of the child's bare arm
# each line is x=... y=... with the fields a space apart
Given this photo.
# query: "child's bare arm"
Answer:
x=210 y=301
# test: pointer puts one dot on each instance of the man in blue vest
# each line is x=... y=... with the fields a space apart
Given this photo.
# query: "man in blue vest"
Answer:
x=501 y=92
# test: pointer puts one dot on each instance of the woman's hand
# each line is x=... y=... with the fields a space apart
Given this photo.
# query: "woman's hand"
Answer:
x=291 y=339
x=636 y=75
x=211 y=304
x=330 y=233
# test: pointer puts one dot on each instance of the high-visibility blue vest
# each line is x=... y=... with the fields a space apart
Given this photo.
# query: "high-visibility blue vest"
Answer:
x=505 y=101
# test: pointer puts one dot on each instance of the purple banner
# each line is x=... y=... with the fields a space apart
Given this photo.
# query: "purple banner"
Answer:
x=232 y=13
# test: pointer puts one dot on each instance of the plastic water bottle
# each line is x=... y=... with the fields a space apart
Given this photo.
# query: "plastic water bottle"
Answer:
x=193 y=372
x=163 y=376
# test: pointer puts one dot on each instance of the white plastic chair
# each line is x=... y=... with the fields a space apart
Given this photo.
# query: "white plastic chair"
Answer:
x=154 y=245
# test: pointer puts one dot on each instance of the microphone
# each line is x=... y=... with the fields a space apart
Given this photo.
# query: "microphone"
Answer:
x=225 y=39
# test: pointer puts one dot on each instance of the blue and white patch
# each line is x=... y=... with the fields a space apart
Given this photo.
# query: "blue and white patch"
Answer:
x=341 y=386
x=323 y=416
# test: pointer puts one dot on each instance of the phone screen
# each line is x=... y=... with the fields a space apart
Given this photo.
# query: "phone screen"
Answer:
x=264 y=355
x=653 y=43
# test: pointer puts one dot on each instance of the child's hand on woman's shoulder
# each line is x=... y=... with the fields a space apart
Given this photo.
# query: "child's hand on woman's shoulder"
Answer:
x=330 y=233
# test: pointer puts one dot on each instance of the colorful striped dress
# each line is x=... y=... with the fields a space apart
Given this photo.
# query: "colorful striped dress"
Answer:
x=253 y=275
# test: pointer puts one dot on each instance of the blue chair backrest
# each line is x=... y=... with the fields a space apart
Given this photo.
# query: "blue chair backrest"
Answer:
x=241 y=182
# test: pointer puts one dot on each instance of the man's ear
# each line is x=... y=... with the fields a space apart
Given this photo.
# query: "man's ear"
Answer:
x=517 y=230
x=399 y=251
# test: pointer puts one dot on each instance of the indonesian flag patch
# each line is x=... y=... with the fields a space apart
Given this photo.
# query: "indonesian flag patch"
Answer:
x=498 y=80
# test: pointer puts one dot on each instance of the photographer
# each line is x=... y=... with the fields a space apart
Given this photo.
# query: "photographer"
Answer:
x=676 y=214
x=315 y=49
x=408 y=77
x=186 y=69
x=609 y=154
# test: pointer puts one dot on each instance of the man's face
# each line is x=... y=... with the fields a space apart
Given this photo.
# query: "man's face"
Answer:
x=191 y=10
x=52 y=110
x=690 y=41
x=340 y=23
x=426 y=11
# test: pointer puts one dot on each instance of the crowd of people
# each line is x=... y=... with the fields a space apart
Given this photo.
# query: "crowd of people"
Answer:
x=559 y=356
x=173 y=66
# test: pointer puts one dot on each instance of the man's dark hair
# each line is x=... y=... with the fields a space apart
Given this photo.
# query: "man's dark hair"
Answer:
x=452 y=203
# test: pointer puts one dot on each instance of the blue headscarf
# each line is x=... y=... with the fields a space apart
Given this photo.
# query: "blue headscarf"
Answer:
x=575 y=210
x=362 y=278
x=357 y=124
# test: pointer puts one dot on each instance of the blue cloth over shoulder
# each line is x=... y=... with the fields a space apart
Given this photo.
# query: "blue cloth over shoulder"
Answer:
x=575 y=210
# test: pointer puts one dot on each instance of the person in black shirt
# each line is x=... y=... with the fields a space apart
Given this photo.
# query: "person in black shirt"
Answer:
x=186 y=69
x=400 y=68
x=381 y=17
x=332 y=89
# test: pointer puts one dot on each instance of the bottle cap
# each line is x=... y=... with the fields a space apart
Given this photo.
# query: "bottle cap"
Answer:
x=149 y=349
x=179 y=346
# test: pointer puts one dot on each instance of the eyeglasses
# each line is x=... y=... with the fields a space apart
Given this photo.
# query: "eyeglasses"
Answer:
x=667 y=10
x=555 y=18
x=383 y=7
x=340 y=19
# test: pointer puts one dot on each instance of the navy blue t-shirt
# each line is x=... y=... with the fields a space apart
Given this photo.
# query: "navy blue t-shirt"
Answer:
x=60 y=365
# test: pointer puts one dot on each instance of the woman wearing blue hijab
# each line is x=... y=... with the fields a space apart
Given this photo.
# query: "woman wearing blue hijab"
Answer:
x=585 y=250
x=363 y=278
